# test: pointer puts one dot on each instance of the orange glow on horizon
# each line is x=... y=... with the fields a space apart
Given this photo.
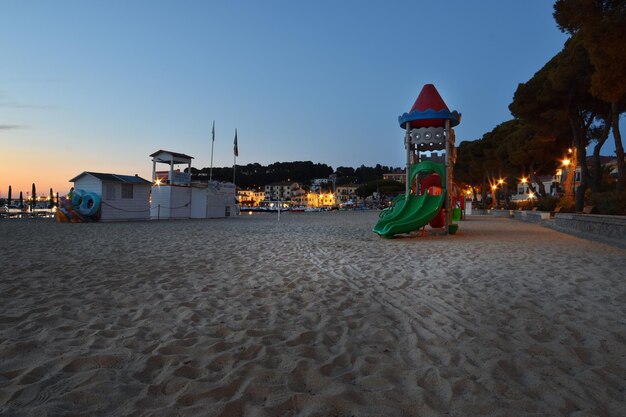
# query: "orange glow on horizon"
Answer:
x=54 y=168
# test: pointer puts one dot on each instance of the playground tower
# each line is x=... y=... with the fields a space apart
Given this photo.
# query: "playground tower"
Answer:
x=428 y=128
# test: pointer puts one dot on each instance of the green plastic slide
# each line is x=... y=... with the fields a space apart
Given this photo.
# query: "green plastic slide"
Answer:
x=408 y=215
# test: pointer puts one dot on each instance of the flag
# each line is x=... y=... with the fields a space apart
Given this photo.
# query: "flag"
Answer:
x=236 y=150
x=213 y=131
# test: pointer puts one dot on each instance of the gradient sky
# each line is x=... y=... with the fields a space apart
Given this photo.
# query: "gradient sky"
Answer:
x=99 y=86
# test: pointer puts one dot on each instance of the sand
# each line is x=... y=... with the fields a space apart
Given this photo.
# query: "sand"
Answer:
x=311 y=316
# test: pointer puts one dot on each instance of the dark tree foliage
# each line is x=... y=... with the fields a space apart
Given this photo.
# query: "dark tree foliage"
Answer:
x=389 y=188
x=256 y=175
x=574 y=100
x=468 y=169
x=366 y=174
x=601 y=26
x=510 y=151
x=557 y=104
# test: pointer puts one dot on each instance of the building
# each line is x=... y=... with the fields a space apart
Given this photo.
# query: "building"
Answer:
x=281 y=191
x=346 y=195
x=175 y=197
x=250 y=198
x=320 y=200
x=398 y=175
x=318 y=184
x=554 y=184
x=611 y=164
x=550 y=184
x=121 y=197
x=298 y=197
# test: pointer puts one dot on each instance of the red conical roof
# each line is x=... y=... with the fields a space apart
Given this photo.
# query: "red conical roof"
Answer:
x=429 y=98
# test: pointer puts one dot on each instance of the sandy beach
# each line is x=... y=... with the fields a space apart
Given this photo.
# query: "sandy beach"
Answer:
x=314 y=315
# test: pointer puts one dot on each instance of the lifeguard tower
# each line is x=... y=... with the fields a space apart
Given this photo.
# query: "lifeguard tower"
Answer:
x=175 y=196
x=172 y=176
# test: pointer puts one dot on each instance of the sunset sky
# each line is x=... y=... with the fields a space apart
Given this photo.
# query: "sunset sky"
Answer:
x=99 y=86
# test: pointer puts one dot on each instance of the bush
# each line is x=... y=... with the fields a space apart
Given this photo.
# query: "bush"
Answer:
x=567 y=205
x=611 y=202
x=547 y=203
x=526 y=204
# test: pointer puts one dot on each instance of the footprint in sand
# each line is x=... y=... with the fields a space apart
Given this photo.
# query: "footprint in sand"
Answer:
x=437 y=391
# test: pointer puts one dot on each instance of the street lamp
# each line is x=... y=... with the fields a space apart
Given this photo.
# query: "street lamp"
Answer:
x=571 y=168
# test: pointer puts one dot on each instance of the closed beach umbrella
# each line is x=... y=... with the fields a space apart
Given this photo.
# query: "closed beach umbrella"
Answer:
x=21 y=202
x=51 y=199
x=9 y=197
x=33 y=197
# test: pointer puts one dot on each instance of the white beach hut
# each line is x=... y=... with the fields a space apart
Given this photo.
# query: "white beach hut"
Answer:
x=123 y=197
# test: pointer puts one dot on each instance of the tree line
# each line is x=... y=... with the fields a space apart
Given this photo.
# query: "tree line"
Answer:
x=255 y=175
x=574 y=101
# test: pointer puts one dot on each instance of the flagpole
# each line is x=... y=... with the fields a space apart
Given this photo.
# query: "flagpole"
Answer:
x=236 y=152
x=212 y=143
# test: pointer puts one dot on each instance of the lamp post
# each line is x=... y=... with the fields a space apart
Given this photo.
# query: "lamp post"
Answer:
x=569 y=163
x=570 y=189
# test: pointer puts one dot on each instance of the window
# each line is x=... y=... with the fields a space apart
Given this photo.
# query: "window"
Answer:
x=110 y=192
x=127 y=190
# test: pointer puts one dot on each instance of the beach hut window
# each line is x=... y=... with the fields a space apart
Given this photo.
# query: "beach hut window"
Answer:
x=110 y=191
x=127 y=190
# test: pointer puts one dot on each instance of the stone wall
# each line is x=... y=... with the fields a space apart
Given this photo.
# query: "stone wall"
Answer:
x=531 y=216
x=609 y=229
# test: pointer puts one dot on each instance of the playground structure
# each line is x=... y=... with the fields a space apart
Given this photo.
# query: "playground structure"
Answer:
x=428 y=197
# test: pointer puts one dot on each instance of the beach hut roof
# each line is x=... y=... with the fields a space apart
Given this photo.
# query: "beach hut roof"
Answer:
x=104 y=177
